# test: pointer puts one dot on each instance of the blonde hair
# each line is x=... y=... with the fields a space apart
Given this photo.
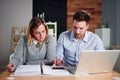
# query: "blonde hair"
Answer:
x=34 y=24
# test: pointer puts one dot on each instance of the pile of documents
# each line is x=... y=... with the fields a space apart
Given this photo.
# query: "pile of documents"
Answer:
x=37 y=70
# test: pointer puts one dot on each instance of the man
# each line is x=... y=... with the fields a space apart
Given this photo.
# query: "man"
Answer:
x=71 y=43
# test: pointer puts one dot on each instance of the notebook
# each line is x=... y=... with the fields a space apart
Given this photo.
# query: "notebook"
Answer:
x=96 y=61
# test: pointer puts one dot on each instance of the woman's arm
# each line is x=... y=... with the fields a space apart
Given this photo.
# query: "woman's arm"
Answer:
x=17 y=58
x=50 y=49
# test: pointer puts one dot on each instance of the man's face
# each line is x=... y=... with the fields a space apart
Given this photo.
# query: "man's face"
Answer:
x=79 y=28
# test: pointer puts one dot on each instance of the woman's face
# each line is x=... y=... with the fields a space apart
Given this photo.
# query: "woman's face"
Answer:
x=40 y=33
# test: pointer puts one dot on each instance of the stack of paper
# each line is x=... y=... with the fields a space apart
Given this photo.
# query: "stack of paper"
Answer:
x=27 y=70
x=37 y=70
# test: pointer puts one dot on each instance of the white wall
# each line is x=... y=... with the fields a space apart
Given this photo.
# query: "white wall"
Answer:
x=12 y=13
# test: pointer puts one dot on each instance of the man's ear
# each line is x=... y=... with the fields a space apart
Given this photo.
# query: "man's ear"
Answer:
x=88 y=25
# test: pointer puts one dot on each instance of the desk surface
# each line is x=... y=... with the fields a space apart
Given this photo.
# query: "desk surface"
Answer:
x=101 y=76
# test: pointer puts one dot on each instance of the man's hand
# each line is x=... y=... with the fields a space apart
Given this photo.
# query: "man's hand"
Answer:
x=57 y=62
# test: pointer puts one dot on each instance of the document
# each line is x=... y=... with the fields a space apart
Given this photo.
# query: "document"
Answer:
x=27 y=70
x=50 y=70
x=38 y=70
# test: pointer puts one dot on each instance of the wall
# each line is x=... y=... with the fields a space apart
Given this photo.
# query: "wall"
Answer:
x=54 y=11
x=12 y=13
x=118 y=23
x=117 y=66
x=109 y=11
x=93 y=7
x=111 y=14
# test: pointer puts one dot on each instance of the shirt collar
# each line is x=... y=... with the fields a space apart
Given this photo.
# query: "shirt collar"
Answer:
x=72 y=37
x=85 y=39
x=35 y=42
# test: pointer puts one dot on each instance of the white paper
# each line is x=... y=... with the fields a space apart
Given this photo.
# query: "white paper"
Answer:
x=35 y=70
x=27 y=70
x=47 y=70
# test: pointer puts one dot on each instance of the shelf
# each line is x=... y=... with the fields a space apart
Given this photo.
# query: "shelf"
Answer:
x=17 y=32
x=52 y=27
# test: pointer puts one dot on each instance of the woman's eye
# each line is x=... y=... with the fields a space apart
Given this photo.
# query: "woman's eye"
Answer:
x=36 y=33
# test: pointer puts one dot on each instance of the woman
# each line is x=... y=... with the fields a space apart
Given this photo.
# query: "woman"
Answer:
x=35 y=47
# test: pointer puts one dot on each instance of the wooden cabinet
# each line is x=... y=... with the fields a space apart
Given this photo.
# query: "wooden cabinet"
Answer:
x=17 y=32
x=104 y=34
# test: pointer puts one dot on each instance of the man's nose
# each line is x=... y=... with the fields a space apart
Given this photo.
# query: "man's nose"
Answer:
x=77 y=31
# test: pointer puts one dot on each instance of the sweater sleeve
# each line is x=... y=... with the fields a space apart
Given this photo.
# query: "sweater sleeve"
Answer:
x=50 y=47
x=17 y=58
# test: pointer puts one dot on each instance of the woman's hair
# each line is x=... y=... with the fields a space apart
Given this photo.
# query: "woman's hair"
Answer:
x=34 y=24
x=81 y=16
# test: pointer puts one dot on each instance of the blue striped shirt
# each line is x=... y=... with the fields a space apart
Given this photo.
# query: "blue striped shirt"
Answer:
x=69 y=48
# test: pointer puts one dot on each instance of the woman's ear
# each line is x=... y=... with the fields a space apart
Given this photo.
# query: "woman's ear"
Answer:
x=31 y=33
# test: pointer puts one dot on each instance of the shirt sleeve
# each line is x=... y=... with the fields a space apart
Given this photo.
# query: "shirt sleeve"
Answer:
x=99 y=43
x=60 y=47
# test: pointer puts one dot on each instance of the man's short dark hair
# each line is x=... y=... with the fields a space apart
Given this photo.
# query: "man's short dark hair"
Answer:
x=81 y=16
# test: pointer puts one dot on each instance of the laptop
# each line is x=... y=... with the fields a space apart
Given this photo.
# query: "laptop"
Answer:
x=96 y=61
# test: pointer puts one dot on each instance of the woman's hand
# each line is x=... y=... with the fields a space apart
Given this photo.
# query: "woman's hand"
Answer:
x=11 y=67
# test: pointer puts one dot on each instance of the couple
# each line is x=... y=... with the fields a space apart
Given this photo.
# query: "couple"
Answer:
x=38 y=46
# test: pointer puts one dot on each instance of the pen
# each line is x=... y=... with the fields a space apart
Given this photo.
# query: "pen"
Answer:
x=41 y=67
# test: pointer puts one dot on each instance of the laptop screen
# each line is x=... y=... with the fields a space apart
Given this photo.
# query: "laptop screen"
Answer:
x=97 y=61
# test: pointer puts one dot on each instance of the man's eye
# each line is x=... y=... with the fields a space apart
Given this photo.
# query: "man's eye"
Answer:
x=75 y=27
